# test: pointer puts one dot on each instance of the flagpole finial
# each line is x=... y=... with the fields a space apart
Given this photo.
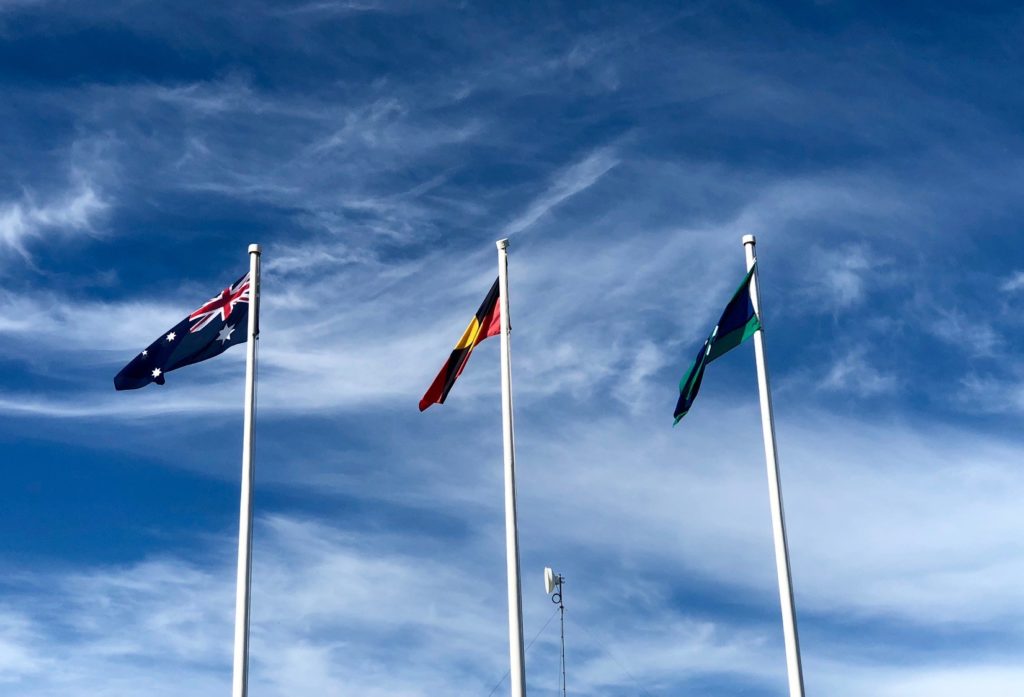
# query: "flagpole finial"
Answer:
x=254 y=249
x=502 y=244
x=749 y=239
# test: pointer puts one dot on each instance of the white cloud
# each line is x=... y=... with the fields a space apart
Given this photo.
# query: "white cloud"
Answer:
x=575 y=178
x=1014 y=283
x=841 y=277
x=334 y=606
x=988 y=394
x=986 y=677
x=72 y=212
x=18 y=659
x=972 y=335
x=340 y=7
x=852 y=372
x=332 y=612
x=870 y=538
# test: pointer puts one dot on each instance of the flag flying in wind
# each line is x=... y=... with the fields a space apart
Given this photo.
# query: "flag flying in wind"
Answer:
x=220 y=322
x=486 y=322
x=737 y=323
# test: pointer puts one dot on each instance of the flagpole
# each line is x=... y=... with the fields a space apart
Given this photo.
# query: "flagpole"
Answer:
x=240 y=675
x=517 y=656
x=789 y=630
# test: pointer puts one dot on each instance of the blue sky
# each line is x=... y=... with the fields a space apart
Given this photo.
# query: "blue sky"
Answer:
x=377 y=150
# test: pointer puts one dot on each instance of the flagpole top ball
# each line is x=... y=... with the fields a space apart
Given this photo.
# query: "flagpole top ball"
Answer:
x=502 y=244
x=254 y=249
x=749 y=239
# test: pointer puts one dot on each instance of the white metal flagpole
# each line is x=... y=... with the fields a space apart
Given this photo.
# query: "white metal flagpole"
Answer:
x=517 y=667
x=240 y=676
x=789 y=631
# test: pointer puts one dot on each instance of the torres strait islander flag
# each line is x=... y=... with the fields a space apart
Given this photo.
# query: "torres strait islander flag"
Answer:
x=219 y=323
x=486 y=322
x=737 y=324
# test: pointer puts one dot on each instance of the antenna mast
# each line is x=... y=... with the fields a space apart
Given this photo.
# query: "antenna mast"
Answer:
x=553 y=585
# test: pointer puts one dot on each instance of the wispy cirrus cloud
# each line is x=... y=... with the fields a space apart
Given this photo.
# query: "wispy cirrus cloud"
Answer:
x=565 y=184
x=1013 y=283
x=340 y=7
x=73 y=211
x=840 y=277
x=18 y=638
x=332 y=604
x=854 y=372
x=993 y=393
x=324 y=600
x=971 y=335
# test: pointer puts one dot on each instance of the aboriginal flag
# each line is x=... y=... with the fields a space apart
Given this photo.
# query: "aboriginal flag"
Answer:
x=486 y=322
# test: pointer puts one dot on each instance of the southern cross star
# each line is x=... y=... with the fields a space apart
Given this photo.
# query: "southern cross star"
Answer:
x=225 y=334
x=156 y=372
x=145 y=353
x=170 y=337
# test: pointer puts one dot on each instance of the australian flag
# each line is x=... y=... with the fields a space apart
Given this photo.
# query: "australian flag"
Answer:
x=221 y=322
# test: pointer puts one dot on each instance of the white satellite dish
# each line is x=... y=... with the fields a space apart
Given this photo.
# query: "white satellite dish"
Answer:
x=549 y=580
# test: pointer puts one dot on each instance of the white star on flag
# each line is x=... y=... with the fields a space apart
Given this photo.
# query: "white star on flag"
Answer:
x=170 y=337
x=156 y=372
x=225 y=334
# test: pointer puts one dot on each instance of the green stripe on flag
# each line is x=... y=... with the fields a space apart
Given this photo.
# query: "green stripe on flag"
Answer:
x=734 y=338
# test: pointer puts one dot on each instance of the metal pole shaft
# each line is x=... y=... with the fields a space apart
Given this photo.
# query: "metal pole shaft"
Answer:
x=240 y=675
x=561 y=610
x=517 y=655
x=789 y=629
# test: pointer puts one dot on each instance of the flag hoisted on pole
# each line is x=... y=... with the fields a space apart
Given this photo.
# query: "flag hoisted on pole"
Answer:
x=240 y=669
x=517 y=655
x=741 y=320
x=794 y=667
x=229 y=318
x=490 y=320
x=213 y=328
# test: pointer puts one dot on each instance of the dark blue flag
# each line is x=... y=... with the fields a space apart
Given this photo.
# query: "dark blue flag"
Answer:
x=221 y=322
x=737 y=324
